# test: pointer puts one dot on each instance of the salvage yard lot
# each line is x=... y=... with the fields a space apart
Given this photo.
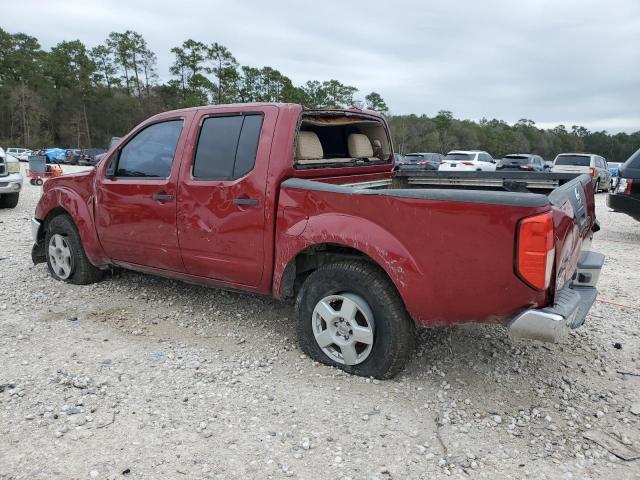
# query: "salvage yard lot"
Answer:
x=151 y=378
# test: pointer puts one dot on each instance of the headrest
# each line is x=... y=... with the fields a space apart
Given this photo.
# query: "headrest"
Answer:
x=359 y=146
x=308 y=146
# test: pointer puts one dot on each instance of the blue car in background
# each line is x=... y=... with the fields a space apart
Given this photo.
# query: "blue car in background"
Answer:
x=613 y=168
x=55 y=155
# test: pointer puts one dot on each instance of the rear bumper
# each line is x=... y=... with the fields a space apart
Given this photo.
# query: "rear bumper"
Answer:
x=572 y=303
x=459 y=168
x=625 y=203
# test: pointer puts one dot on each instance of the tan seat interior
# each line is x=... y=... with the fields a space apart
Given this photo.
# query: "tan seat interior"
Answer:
x=309 y=150
x=359 y=146
x=366 y=139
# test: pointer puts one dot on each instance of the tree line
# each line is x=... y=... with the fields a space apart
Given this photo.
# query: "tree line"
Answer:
x=443 y=133
x=73 y=95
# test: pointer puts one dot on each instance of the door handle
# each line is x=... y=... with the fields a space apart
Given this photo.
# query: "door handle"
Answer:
x=162 y=197
x=245 y=201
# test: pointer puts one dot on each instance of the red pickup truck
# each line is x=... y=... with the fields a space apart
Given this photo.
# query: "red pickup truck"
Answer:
x=297 y=203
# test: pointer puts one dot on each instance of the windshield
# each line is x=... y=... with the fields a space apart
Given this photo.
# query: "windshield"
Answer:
x=520 y=159
x=575 y=160
x=460 y=156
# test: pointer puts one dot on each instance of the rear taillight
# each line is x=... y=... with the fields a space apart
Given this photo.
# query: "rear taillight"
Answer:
x=527 y=167
x=624 y=185
x=442 y=161
x=536 y=252
x=467 y=163
x=421 y=163
x=592 y=171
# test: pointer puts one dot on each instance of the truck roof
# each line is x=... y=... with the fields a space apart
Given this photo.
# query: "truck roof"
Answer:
x=280 y=105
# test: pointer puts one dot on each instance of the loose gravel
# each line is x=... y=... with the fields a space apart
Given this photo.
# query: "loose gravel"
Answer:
x=143 y=377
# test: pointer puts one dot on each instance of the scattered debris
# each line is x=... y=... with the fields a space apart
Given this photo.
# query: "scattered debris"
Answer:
x=612 y=445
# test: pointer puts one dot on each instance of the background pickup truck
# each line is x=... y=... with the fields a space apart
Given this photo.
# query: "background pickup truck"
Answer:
x=296 y=203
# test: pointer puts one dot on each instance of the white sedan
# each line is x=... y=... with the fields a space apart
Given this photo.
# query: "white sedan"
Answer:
x=468 y=161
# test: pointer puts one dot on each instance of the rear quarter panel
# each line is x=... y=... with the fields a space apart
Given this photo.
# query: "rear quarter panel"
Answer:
x=452 y=262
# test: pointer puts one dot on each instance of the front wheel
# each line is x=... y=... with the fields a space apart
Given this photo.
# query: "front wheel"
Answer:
x=350 y=316
x=65 y=256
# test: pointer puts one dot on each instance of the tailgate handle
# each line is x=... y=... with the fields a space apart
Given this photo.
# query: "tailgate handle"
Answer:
x=245 y=201
x=162 y=197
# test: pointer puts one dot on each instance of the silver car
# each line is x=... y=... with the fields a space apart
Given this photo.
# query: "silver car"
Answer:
x=593 y=165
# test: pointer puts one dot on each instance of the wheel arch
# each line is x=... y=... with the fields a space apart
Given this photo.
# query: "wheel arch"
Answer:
x=359 y=238
x=64 y=201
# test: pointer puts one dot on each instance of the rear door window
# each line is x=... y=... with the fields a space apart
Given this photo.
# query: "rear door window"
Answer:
x=227 y=147
x=574 y=160
x=460 y=156
x=413 y=158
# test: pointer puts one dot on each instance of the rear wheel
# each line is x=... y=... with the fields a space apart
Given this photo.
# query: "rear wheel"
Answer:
x=350 y=316
x=65 y=256
x=9 y=200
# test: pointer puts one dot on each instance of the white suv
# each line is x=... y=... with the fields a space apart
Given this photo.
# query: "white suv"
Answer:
x=593 y=165
x=468 y=161
x=21 y=154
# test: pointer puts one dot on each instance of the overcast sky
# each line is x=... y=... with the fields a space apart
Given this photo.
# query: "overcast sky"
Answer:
x=562 y=61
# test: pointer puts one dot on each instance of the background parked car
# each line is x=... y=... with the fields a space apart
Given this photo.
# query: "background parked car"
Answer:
x=72 y=156
x=114 y=141
x=626 y=197
x=521 y=162
x=594 y=165
x=613 y=170
x=422 y=161
x=468 y=161
x=88 y=155
x=11 y=180
x=54 y=155
x=22 y=154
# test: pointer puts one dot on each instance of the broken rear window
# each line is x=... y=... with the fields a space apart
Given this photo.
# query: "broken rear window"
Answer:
x=341 y=139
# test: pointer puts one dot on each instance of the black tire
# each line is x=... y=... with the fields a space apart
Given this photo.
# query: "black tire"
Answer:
x=82 y=271
x=394 y=336
x=39 y=181
x=9 y=200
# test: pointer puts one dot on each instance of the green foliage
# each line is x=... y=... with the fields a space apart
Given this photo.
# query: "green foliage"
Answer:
x=73 y=96
x=375 y=102
x=443 y=132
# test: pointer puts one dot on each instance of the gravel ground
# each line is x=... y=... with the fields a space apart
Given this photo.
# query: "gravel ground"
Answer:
x=144 y=377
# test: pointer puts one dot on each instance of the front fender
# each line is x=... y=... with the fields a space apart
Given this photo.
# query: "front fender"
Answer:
x=349 y=231
x=77 y=208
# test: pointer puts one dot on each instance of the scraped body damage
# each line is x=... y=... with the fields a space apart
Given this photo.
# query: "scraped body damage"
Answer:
x=447 y=265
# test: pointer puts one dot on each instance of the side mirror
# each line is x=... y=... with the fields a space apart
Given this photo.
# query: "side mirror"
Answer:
x=110 y=171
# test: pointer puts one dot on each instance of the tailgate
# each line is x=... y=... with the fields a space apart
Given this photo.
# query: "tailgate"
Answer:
x=574 y=222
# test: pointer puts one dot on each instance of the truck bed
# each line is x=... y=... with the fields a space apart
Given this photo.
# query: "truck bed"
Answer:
x=426 y=236
x=506 y=181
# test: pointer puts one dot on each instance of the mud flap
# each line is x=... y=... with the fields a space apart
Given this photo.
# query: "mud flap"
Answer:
x=37 y=253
